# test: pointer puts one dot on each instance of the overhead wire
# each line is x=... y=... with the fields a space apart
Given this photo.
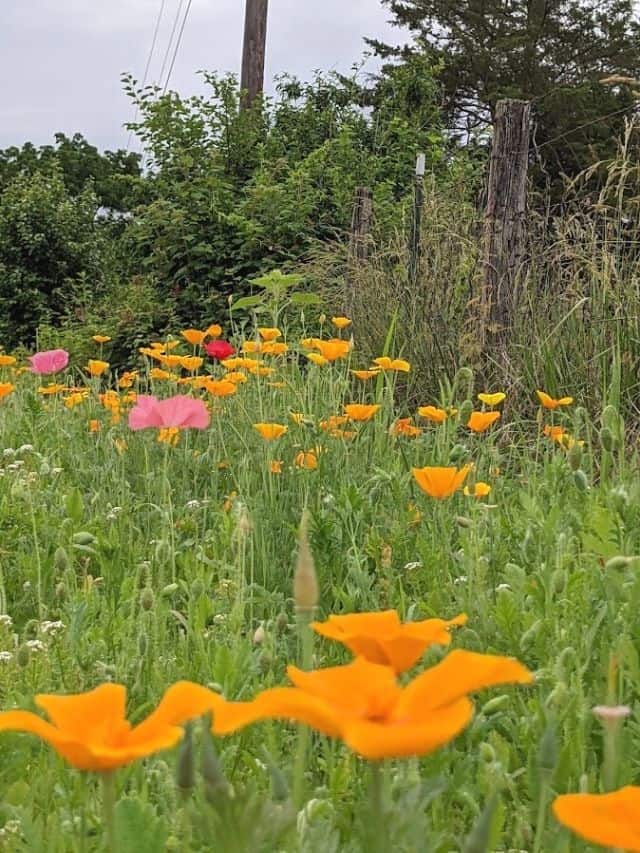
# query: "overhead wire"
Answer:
x=152 y=50
x=177 y=47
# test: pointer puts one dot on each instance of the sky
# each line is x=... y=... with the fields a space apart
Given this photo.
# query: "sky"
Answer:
x=61 y=60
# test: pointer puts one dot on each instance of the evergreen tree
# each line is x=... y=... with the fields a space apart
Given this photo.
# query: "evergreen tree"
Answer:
x=552 y=52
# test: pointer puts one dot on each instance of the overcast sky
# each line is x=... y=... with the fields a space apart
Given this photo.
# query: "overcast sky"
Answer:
x=61 y=60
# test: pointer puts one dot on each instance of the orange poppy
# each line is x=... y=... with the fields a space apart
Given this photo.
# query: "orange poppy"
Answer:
x=333 y=349
x=481 y=421
x=360 y=411
x=386 y=363
x=7 y=360
x=274 y=348
x=221 y=387
x=213 y=331
x=275 y=466
x=269 y=334
x=404 y=426
x=101 y=339
x=47 y=390
x=549 y=403
x=611 y=820
x=193 y=336
x=363 y=704
x=270 y=432
x=317 y=359
x=432 y=413
x=440 y=483
x=191 y=362
x=91 y=732
x=6 y=388
x=341 y=322
x=251 y=347
x=364 y=375
x=382 y=638
x=97 y=367
x=307 y=459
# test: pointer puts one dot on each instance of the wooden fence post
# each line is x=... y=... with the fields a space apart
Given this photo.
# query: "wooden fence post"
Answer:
x=359 y=240
x=254 y=50
x=416 y=224
x=506 y=214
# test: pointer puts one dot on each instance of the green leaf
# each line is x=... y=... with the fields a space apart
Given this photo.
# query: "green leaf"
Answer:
x=305 y=299
x=138 y=829
x=247 y=302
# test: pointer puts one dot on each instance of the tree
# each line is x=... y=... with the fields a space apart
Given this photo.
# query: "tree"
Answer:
x=552 y=52
x=114 y=174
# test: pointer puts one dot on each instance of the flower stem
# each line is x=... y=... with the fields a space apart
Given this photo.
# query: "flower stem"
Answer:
x=108 y=806
x=378 y=839
x=305 y=637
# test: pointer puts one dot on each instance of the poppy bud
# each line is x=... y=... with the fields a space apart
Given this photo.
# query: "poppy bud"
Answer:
x=163 y=551
x=305 y=581
x=464 y=377
x=607 y=440
x=462 y=521
x=147 y=598
x=530 y=634
x=580 y=479
x=259 y=635
x=83 y=537
x=619 y=562
x=574 y=457
x=265 y=662
x=215 y=782
x=498 y=703
x=61 y=560
x=169 y=589
x=73 y=505
x=23 y=656
x=282 y=623
x=279 y=785
x=620 y=498
x=487 y=753
x=186 y=768
x=143 y=644
x=61 y=591
x=465 y=412
x=458 y=451
x=558 y=696
x=548 y=749
x=612 y=420
x=197 y=588
x=558 y=581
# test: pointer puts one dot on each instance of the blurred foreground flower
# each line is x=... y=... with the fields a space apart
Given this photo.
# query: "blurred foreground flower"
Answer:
x=91 y=732
x=611 y=820
x=363 y=704
x=382 y=638
x=173 y=413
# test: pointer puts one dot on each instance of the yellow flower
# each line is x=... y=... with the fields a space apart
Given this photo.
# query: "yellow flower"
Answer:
x=97 y=367
x=75 y=399
x=101 y=339
x=120 y=445
x=492 y=399
x=47 y=390
x=193 y=336
x=191 y=362
x=297 y=417
x=251 y=347
x=341 y=322
x=169 y=435
x=549 y=403
x=440 y=483
x=433 y=414
x=237 y=377
x=480 y=490
x=275 y=466
x=363 y=375
x=274 y=348
x=360 y=411
x=318 y=359
x=398 y=364
x=269 y=431
x=6 y=388
x=7 y=360
x=333 y=349
x=127 y=379
x=269 y=334
x=159 y=373
x=213 y=331
x=240 y=363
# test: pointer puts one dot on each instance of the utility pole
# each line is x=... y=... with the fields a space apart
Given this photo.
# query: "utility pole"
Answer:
x=253 y=51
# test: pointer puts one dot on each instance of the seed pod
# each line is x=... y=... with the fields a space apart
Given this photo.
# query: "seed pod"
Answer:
x=169 y=589
x=143 y=644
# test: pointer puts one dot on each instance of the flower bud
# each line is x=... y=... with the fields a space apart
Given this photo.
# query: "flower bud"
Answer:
x=282 y=623
x=548 y=749
x=61 y=560
x=463 y=521
x=215 y=782
x=465 y=411
x=186 y=768
x=23 y=656
x=169 y=589
x=259 y=635
x=619 y=562
x=580 y=480
x=61 y=591
x=607 y=440
x=487 y=753
x=498 y=703
x=574 y=457
x=197 y=588
x=83 y=537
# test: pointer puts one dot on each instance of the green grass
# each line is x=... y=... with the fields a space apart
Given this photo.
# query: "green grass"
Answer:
x=162 y=562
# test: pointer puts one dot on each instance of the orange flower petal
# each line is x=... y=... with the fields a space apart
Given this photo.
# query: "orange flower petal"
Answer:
x=611 y=820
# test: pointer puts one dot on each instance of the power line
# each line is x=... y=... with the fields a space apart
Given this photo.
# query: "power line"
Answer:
x=177 y=47
x=167 y=52
x=156 y=30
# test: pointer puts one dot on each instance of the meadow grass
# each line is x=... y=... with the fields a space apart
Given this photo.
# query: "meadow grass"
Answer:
x=130 y=560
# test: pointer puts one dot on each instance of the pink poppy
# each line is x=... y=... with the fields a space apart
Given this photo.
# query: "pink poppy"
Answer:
x=219 y=349
x=51 y=361
x=174 y=413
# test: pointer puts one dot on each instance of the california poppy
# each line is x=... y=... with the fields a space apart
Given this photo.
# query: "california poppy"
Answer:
x=363 y=704
x=193 y=336
x=91 y=732
x=7 y=360
x=341 y=322
x=549 y=403
x=221 y=387
x=219 y=350
x=307 y=459
x=270 y=432
x=397 y=364
x=492 y=399
x=269 y=334
x=333 y=349
x=101 y=339
x=382 y=638
x=364 y=375
x=6 y=388
x=317 y=359
x=440 y=483
x=479 y=490
x=611 y=820
x=404 y=426
x=481 y=421
x=432 y=413
x=360 y=411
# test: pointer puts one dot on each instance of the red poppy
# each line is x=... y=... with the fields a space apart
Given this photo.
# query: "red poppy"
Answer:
x=219 y=349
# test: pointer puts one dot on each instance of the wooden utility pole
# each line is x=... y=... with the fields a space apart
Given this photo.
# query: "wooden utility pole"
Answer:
x=506 y=214
x=359 y=241
x=254 y=50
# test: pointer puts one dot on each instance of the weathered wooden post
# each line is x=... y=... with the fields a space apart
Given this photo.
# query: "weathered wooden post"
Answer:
x=359 y=240
x=506 y=214
x=254 y=50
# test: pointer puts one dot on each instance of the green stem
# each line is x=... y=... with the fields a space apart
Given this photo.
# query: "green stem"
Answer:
x=378 y=836
x=305 y=637
x=542 y=812
x=108 y=807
